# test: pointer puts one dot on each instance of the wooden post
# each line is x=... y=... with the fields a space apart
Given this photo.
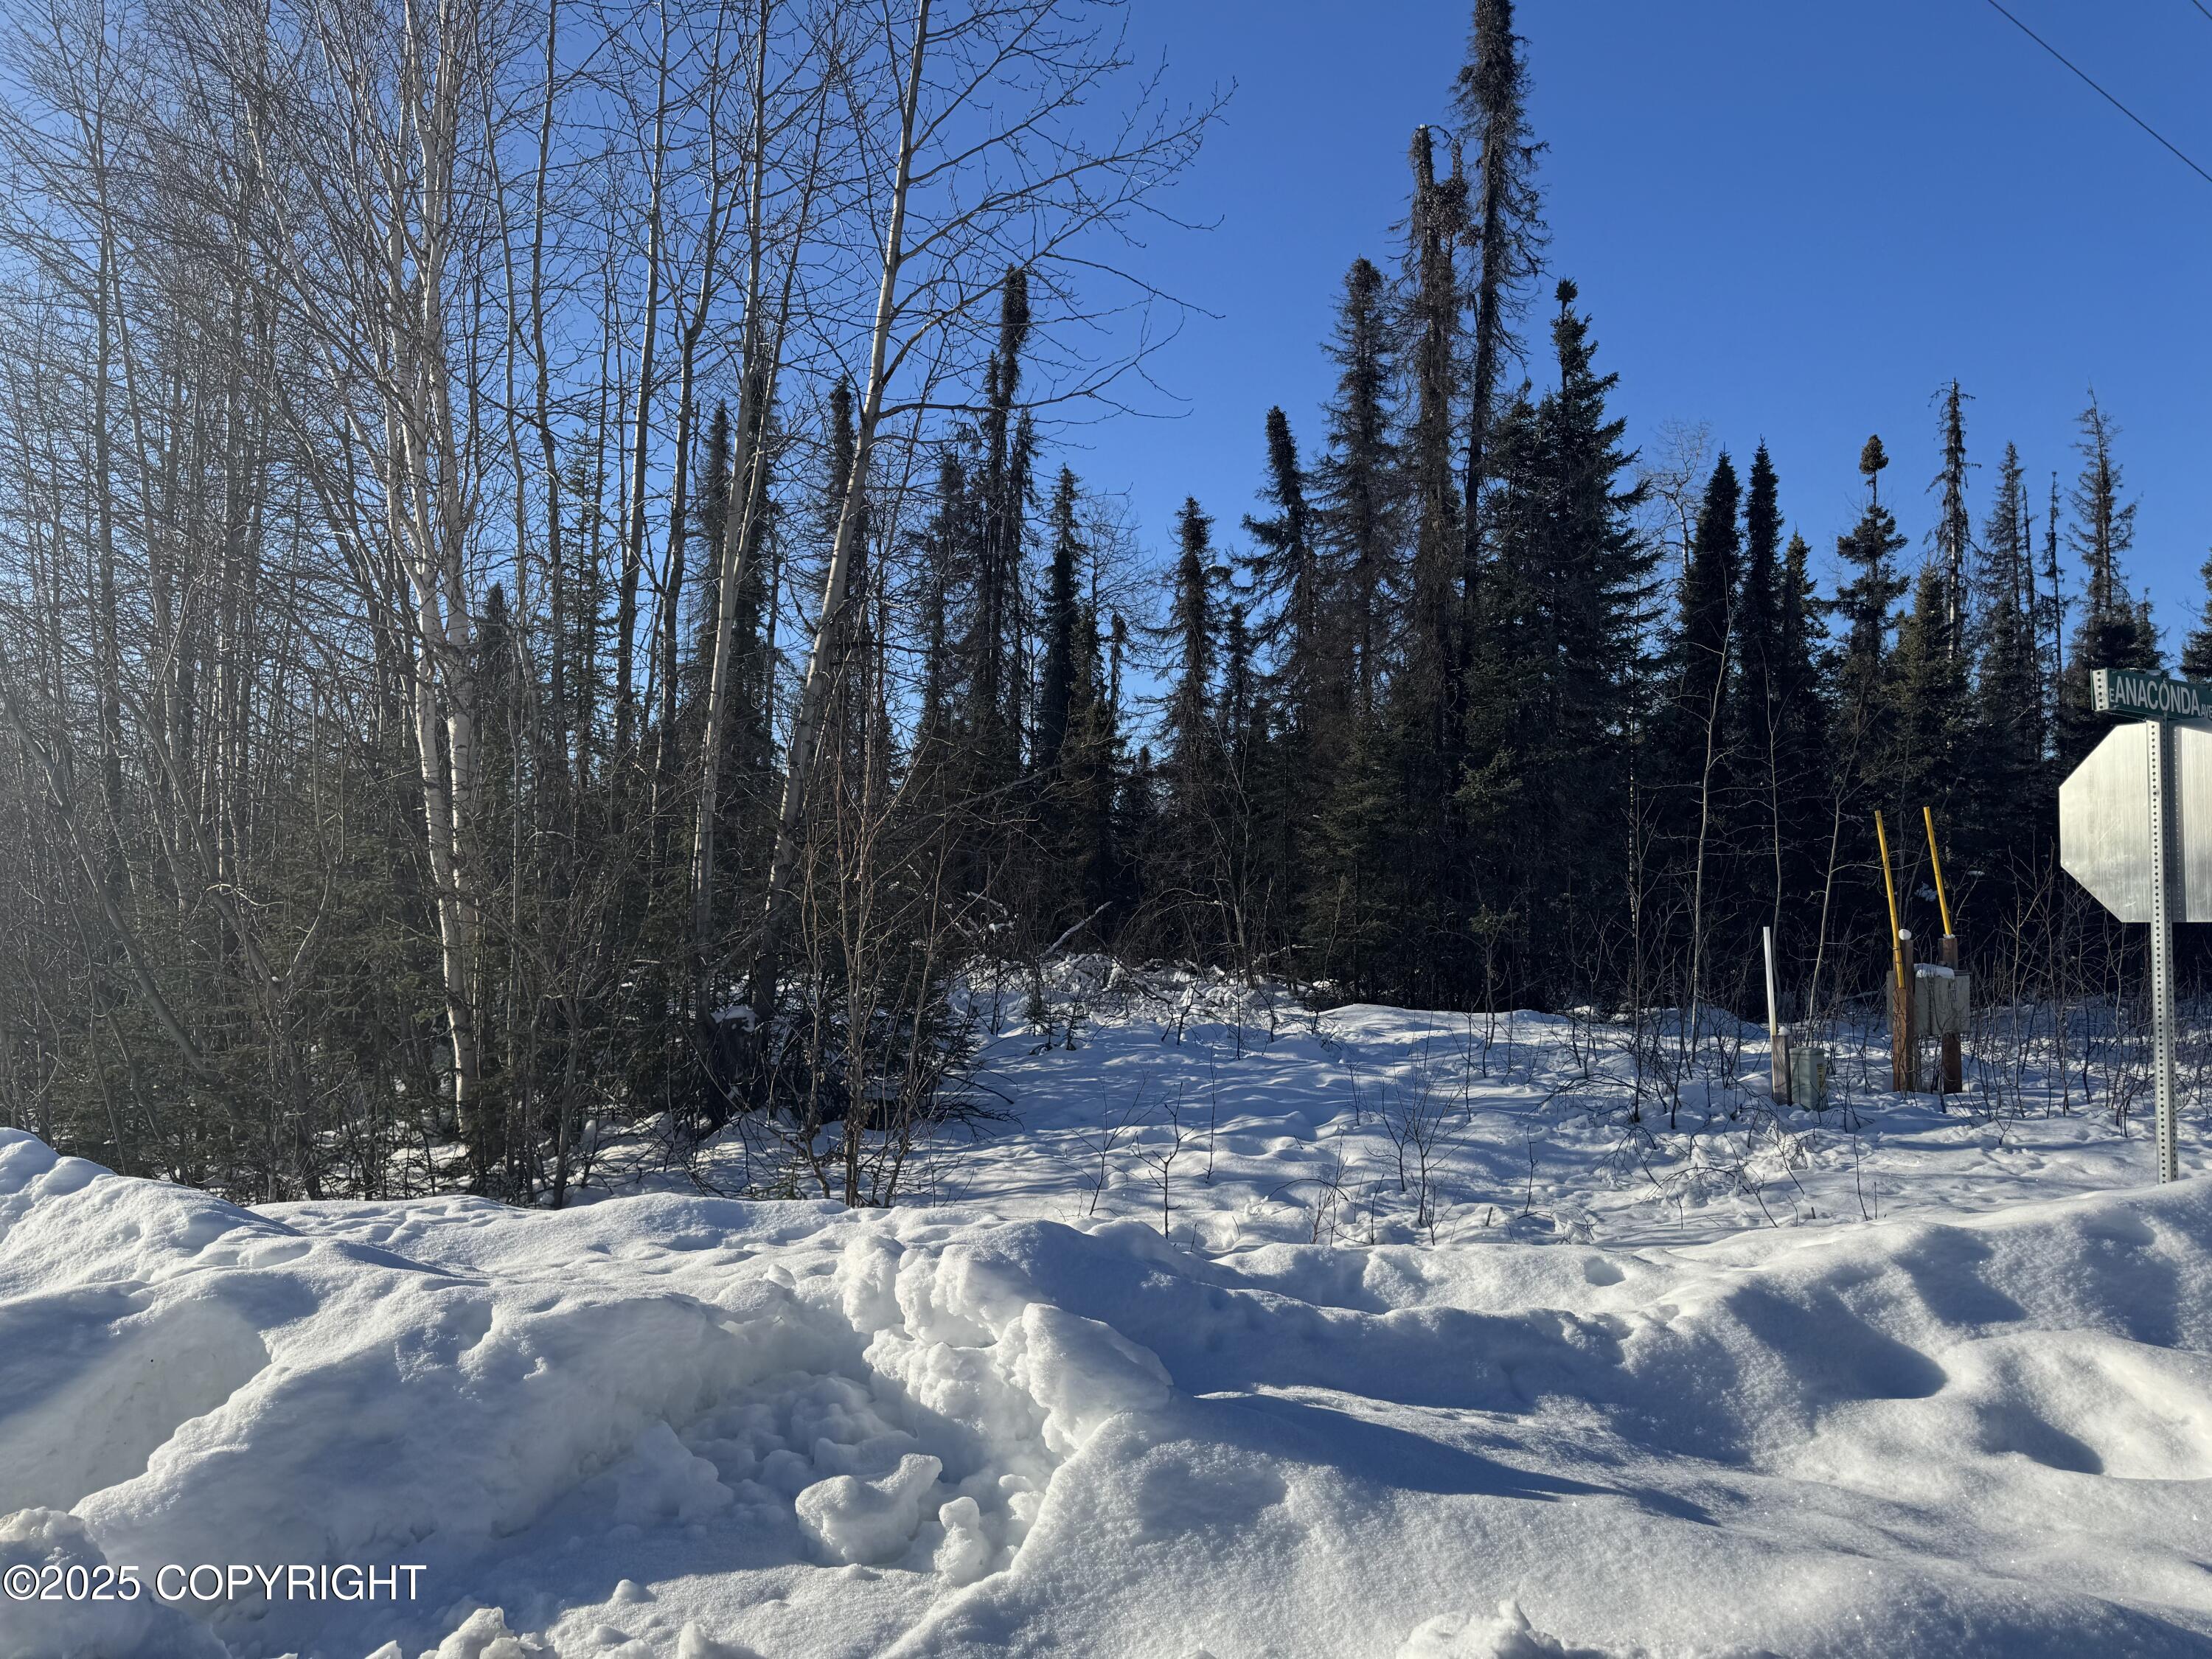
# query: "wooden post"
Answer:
x=1955 y=1065
x=1954 y=1078
x=1904 y=1048
x=1901 y=995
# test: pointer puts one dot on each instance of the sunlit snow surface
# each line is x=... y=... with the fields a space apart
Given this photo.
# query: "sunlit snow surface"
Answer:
x=1889 y=1382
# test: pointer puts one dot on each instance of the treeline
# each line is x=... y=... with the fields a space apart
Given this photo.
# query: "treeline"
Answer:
x=536 y=592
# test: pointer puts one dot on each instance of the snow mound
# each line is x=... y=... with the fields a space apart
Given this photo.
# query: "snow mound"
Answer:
x=1509 y=1635
x=693 y=1427
x=42 y=1542
x=855 y=1520
x=660 y=1482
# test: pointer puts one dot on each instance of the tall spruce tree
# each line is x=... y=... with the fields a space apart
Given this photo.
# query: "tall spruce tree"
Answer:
x=1569 y=576
x=1760 y=651
x=853 y=693
x=2115 y=631
x=1290 y=583
x=1192 y=766
x=2006 y=757
x=2051 y=623
x=1953 y=533
x=1082 y=816
x=943 y=540
x=1425 y=725
x=1931 y=729
x=1802 y=761
x=1358 y=488
x=1505 y=233
x=1358 y=484
x=1302 y=694
x=1865 y=607
x=992 y=648
x=1056 y=692
x=1090 y=784
x=1429 y=683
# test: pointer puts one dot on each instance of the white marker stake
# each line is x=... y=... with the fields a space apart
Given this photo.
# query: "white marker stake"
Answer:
x=2159 y=733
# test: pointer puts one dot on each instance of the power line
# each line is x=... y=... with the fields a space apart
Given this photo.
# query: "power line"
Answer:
x=2202 y=7
x=2106 y=96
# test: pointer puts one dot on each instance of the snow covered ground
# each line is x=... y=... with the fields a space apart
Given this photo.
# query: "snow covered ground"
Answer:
x=1262 y=1335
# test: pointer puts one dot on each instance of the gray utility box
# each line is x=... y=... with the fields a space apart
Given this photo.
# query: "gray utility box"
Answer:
x=1942 y=1001
x=1809 y=1075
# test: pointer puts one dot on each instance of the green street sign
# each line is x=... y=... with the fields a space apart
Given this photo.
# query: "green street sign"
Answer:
x=2151 y=696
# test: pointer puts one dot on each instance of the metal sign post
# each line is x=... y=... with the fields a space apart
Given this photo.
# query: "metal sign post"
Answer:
x=2135 y=828
x=2162 y=861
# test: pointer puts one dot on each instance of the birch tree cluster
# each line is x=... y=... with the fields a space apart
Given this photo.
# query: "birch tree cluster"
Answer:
x=493 y=499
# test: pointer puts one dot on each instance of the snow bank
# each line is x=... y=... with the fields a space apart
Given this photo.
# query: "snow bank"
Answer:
x=683 y=1426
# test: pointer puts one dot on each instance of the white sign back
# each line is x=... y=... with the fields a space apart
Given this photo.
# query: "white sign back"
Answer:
x=2103 y=833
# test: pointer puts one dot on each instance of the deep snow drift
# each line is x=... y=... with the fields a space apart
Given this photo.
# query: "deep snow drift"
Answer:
x=1576 y=1372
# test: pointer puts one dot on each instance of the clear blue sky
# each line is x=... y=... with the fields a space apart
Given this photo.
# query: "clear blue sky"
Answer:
x=1792 y=220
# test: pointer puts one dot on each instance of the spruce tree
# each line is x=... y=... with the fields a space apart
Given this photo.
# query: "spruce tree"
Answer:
x=1864 y=609
x=1238 y=724
x=1931 y=729
x=852 y=642
x=710 y=501
x=2196 y=653
x=1930 y=672
x=2051 y=623
x=1563 y=595
x=991 y=644
x=1425 y=723
x=2006 y=758
x=1802 y=765
x=1760 y=651
x=1505 y=230
x=1304 y=743
x=1514 y=644
x=1290 y=582
x=1429 y=685
x=943 y=539
x=1084 y=791
x=1056 y=693
x=1350 y=920
x=1192 y=765
x=1952 y=532
x=1358 y=487
x=2115 y=631
x=1239 y=703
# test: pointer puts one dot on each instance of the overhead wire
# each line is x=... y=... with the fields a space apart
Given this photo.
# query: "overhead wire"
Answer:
x=2178 y=153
